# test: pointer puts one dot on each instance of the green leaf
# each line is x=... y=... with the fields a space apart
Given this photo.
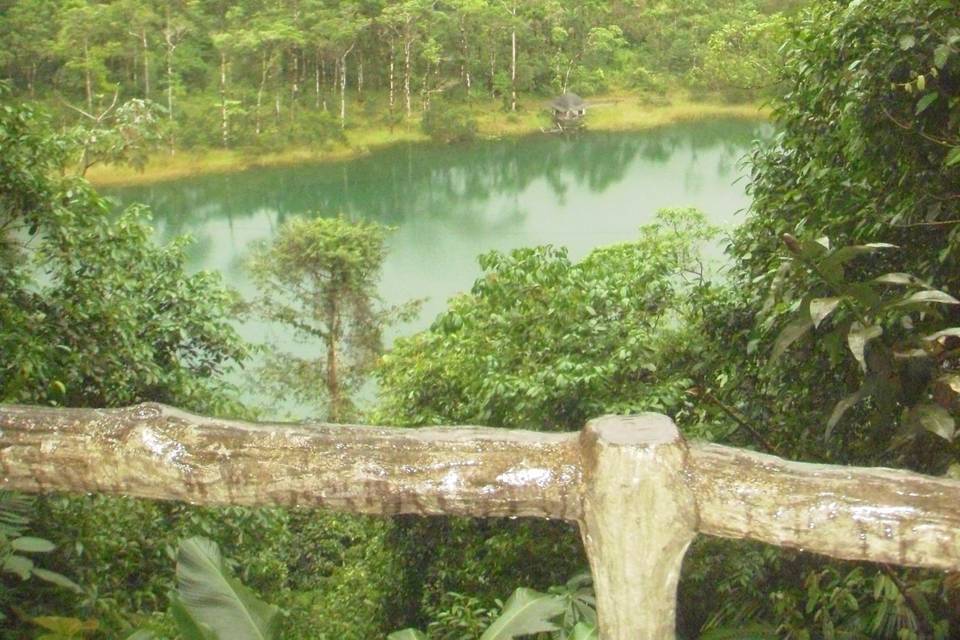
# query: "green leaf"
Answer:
x=141 y=634
x=70 y=627
x=842 y=407
x=584 y=631
x=926 y=101
x=189 y=628
x=929 y=296
x=790 y=334
x=953 y=157
x=820 y=308
x=907 y=42
x=952 y=331
x=212 y=596
x=29 y=544
x=934 y=419
x=897 y=278
x=58 y=579
x=843 y=255
x=857 y=340
x=407 y=634
x=18 y=565
x=940 y=56
x=748 y=632
x=527 y=611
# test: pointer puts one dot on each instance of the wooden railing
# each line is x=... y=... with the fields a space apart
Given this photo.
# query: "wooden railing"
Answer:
x=637 y=490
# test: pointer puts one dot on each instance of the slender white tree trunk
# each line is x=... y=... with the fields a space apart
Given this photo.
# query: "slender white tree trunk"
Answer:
x=224 y=122
x=513 y=61
x=146 y=64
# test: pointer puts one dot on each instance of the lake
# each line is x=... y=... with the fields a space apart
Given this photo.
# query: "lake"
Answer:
x=451 y=203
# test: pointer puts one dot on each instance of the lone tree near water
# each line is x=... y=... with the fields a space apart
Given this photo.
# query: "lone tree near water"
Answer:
x=320 y=278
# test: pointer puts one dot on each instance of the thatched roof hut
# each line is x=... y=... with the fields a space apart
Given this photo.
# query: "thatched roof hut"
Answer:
x=569 y=106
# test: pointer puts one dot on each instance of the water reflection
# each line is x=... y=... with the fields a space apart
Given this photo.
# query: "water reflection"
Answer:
x=451 y=203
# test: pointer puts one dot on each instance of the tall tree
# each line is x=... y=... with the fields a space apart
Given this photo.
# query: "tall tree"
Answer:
x=320 y=278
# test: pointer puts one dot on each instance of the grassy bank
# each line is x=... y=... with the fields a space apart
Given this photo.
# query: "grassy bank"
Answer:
x=614 y=112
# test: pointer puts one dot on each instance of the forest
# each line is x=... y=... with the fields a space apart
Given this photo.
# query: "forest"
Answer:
x=273 y=74
x=833 y=336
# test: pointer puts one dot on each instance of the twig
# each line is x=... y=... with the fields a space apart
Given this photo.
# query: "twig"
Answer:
x=926 y=631
x=740 y=420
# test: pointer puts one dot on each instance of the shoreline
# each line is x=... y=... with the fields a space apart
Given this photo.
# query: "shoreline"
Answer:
x=610 y=113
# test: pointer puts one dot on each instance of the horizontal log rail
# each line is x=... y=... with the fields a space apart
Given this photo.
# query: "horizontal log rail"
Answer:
x=637 y=490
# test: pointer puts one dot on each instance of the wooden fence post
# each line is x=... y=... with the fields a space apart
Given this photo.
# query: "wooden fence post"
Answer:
x=639 y=517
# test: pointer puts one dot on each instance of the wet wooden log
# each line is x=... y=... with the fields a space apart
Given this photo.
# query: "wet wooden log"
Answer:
x=154 y=451
x=638 y=491
x=854 y=513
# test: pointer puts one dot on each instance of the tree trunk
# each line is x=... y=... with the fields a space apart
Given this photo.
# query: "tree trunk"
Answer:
x=360 y=78
x=513 y=62
x=224 y=122
x=392 y=80
x=332 y=379
x=146 y=64
x=295 y=86
x=407 y=46
x=493 y=72
x=316 y=78
x=88 y=80
x=343 y=86
x=263 y=82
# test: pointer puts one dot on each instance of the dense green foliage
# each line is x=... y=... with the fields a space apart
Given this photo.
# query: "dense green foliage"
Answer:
x=282 y=72
x=94 y=312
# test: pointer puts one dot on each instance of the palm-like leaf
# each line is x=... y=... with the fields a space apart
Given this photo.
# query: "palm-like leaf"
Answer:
x=527 y=611
x=212 y=597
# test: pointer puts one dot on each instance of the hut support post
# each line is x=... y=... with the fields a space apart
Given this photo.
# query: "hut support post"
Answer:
x=639 y=517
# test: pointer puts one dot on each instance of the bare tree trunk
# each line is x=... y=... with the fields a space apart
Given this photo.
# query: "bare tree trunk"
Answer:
x=87 y=78
x=360 y=78
x=316 y=78
x=332 y=379
x=146 y=63
x=493 y=72
x=263 y=82
x=392 y=80
x=224 y=123
x=343 y=85
x=295 y=87
x=513 y=61
x=407 y=46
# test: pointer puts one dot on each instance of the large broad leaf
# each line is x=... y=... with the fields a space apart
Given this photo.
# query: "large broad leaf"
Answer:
x=214 y=598
x=188 y=628
x=407 y=634
x=845 y=405
x=929 y=296
x=527 y=611
x=58 y=579
x=29 y=544
x=584 y=631
x=934 y=419
x=857 y=340
x=946 y=333
x=790 y=334
x=820 y=308
x=843 y=255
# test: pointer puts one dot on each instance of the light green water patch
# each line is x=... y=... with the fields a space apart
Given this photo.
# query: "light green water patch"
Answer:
x=452 y=203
